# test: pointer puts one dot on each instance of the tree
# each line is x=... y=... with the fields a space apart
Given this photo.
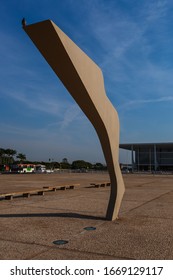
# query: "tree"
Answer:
x=6 y=156
x=10 y=152
x=65 y=165
x=80 y=164
x=2 y=154
x=21 y=157
x=65 y=160
x=99 y=166
x=56 y=165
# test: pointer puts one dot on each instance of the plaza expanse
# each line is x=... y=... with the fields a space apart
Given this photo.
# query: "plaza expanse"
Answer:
x=29 y=226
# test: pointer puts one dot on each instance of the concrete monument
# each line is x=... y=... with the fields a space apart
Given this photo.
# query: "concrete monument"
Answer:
x=84 y=80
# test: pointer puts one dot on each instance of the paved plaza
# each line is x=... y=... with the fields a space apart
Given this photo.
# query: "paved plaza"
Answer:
x=29 y=226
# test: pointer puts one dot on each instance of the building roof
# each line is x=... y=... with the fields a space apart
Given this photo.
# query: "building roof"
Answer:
x=135 y=146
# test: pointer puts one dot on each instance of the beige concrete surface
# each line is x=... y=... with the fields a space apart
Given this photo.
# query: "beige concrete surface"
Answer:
x=84 y=80
x=28 y=226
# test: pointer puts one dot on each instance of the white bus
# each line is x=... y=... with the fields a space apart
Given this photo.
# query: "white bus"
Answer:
x=26 y=168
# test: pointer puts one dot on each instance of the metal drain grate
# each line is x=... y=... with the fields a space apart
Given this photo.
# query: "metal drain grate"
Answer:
x=60 y=242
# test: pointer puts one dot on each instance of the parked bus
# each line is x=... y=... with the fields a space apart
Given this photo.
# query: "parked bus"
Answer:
x=26 y=168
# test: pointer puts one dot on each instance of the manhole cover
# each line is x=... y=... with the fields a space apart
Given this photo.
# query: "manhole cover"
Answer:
x=60 y=242
x=90 y=228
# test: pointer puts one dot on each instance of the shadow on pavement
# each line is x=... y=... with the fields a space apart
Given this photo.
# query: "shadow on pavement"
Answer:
x=56 y=215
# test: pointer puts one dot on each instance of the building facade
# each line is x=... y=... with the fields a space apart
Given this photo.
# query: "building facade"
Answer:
x=150 y=156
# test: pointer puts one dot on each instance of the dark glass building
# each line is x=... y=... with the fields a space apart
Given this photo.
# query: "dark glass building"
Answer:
x=150 y=156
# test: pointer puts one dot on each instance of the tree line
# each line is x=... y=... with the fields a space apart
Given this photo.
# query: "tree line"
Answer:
x=7 y=156
x=10 y=157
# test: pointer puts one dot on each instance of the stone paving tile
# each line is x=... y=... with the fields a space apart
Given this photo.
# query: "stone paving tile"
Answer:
x=66 y=254
x=11 y=250
x=145 y=194
x=155 y=209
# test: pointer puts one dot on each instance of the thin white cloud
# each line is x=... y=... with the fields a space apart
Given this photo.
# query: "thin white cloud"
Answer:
x=39 y=102
x=71 y=114
x=114 y=33
x=64 y=111
x=131 y=104
x=156 y=9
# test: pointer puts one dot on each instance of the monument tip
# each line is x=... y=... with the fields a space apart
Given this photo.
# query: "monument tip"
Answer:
x=23 y=22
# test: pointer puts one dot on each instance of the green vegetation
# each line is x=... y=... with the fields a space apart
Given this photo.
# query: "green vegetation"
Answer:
x=7 y=156
x=11 y=157
x=21 y=157
x=81 y=164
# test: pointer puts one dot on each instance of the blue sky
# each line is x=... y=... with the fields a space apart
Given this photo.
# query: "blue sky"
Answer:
x=131 y=41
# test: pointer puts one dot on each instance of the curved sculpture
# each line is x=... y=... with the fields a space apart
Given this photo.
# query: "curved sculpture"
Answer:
x=84 y=80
